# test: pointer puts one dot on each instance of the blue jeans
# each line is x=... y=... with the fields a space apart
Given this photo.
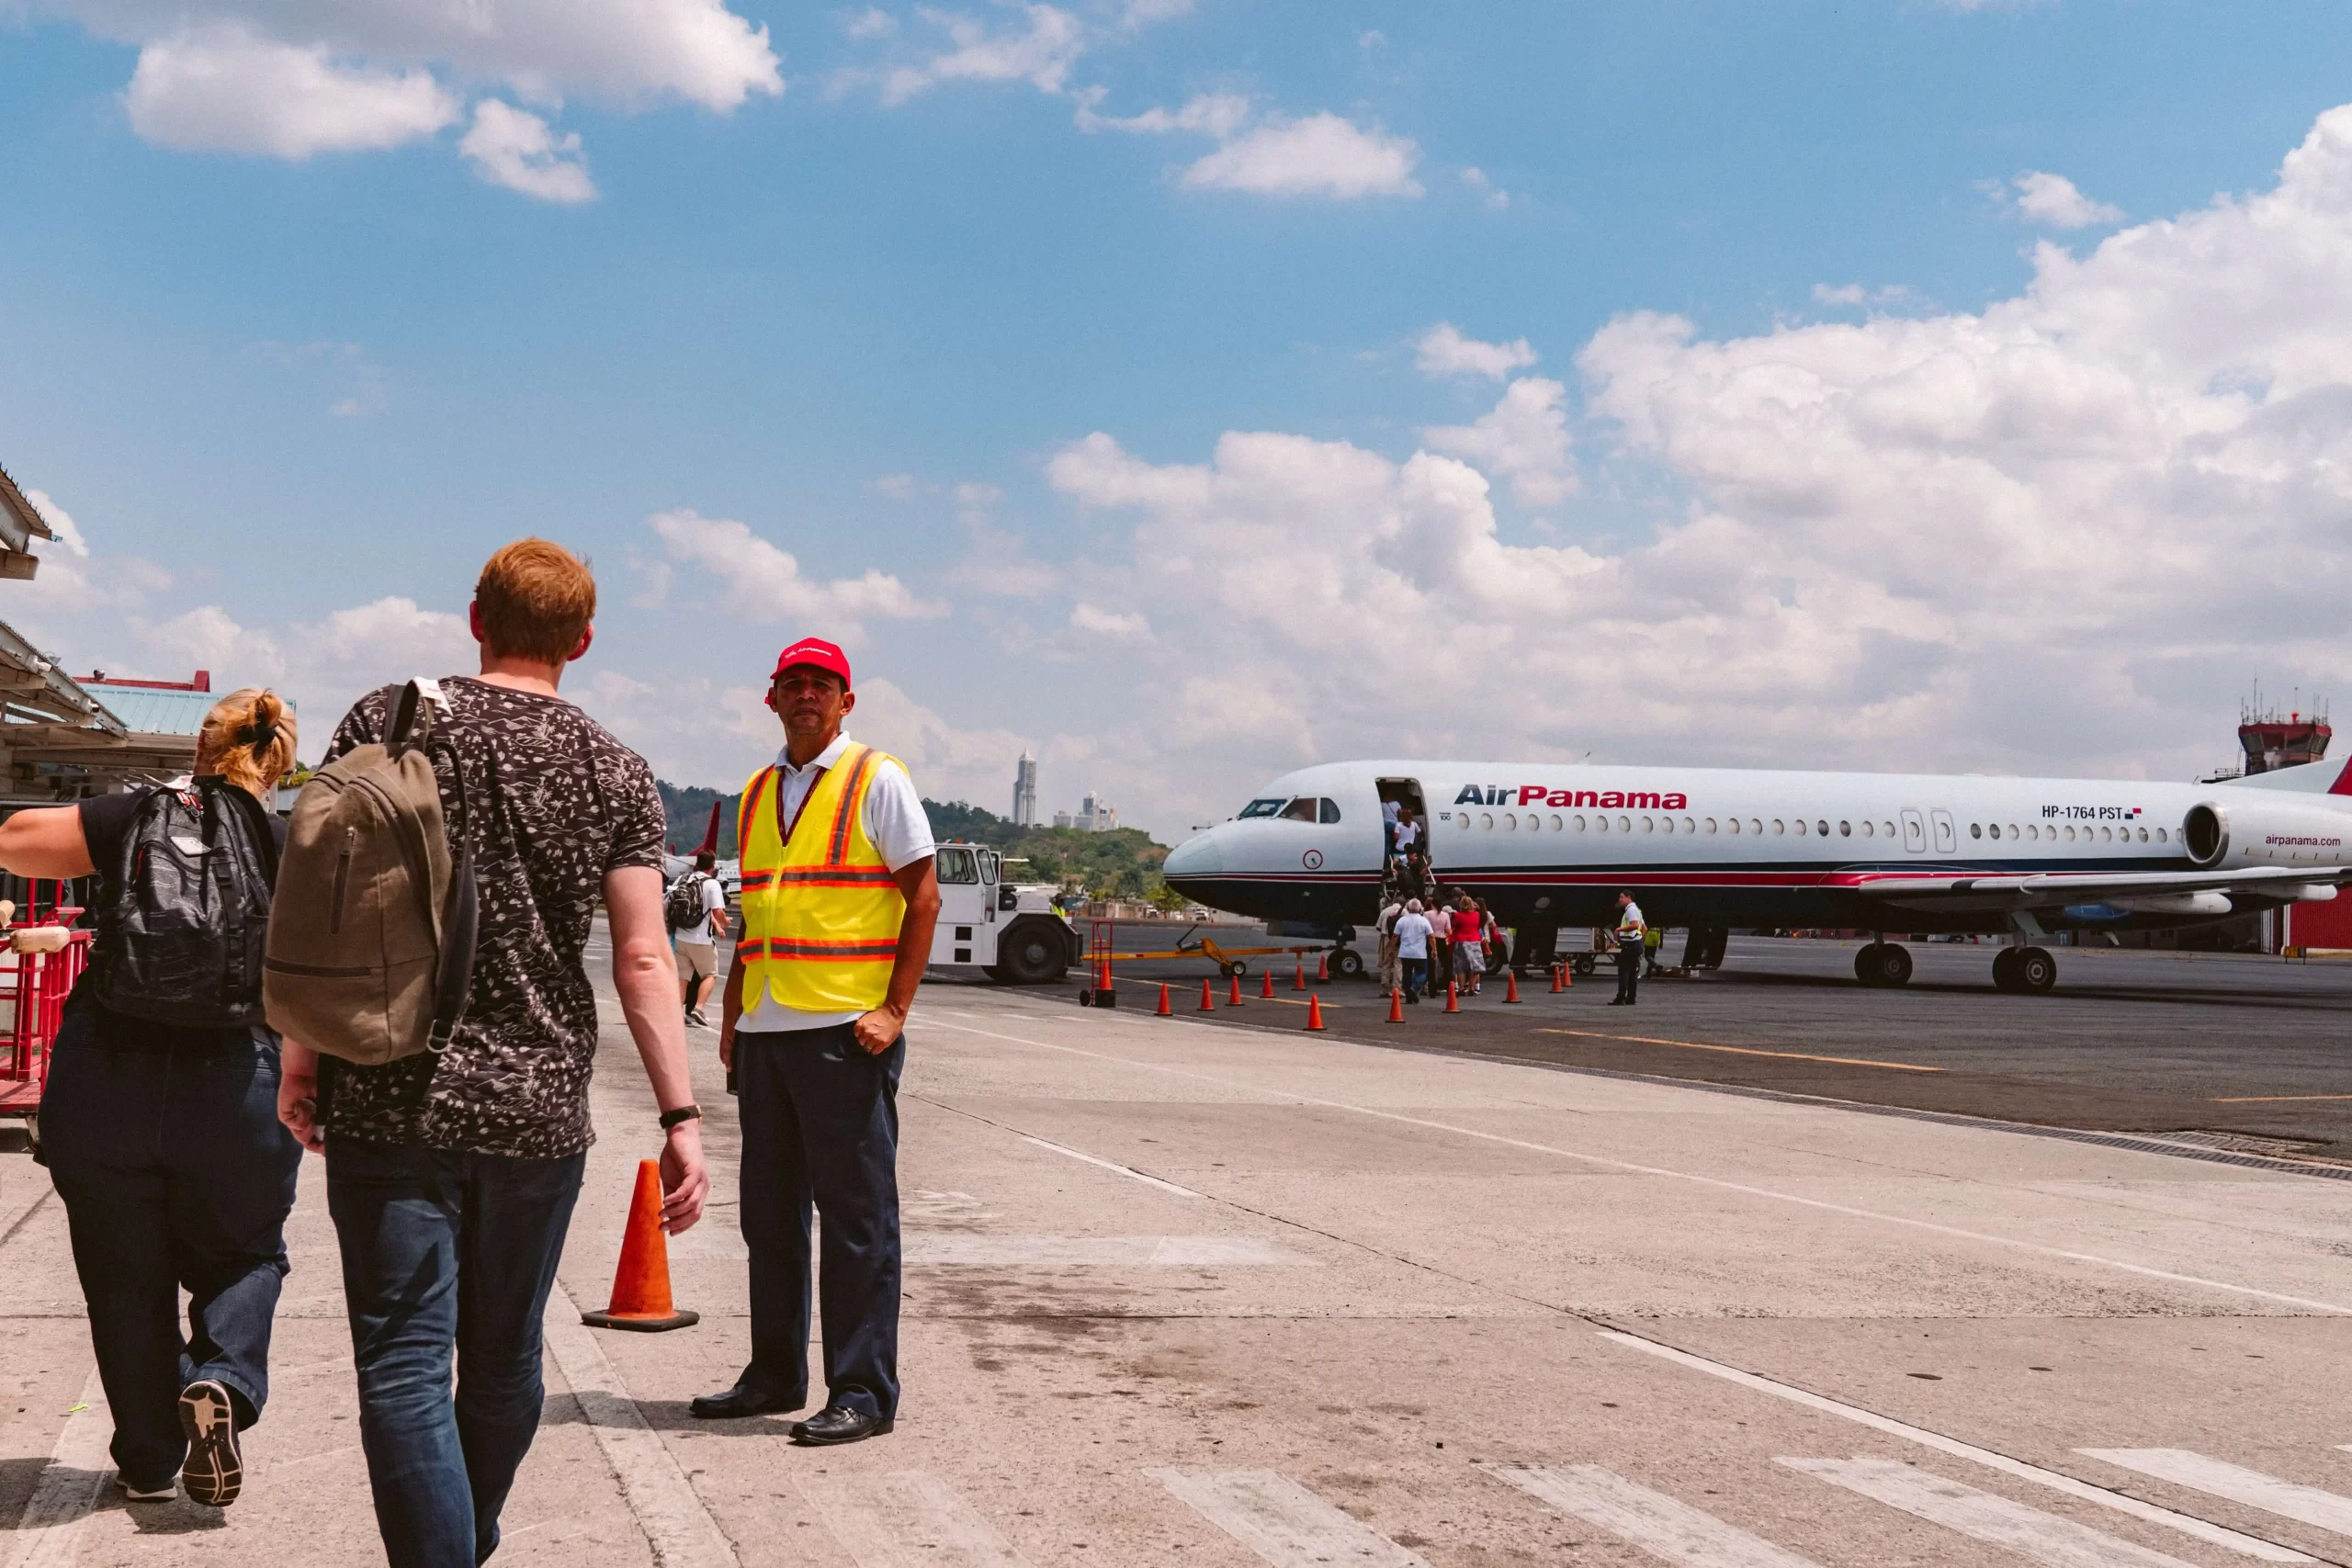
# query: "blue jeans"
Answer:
x=820 y=1128
x=446 y=1255
x=1417 y=976
x=174 y=1172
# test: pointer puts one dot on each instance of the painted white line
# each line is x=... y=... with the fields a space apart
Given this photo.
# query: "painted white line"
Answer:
x=1282 y=1521
x=2188 y=1524
x=1980 y=1516
x=2286 y=1498
x=1130 y=1172
x=1101 y=1252
x=1659 y=1525
x=49 y=1532
x=1718 y=1183
x=676 y=1525
x=907 y=1519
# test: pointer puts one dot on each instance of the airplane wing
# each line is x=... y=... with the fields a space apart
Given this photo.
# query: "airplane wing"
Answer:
x=2034 y=890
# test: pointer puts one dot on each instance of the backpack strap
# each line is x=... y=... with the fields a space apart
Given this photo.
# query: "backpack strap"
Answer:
x=412 y=714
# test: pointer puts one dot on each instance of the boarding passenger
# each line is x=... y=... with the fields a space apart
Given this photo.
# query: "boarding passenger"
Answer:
x=1407 y=845
x=1631 y=933
x=1497 y=941
x=451 y=1176
x=1391 y=976
x=1440 y=917
x=839 y=900
x=159 y=1122
x=1390 y=813
x=1469 y=945
x=1413 y=948
x=697 y=942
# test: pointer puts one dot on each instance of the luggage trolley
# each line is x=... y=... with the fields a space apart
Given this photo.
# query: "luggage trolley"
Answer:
x=37 y=971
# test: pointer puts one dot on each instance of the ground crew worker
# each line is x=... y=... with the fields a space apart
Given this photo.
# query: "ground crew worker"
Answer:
x=1631 y=931
x=839 y=900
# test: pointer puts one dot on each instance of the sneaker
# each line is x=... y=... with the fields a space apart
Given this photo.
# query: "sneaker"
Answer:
x=696 y=1018
x=214 y=1470
x=137 y=1494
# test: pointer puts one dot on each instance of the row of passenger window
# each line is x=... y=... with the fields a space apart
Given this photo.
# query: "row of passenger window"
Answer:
x=1559 y=822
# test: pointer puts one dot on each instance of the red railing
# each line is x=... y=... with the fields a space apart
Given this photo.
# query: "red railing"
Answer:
x=33 y=989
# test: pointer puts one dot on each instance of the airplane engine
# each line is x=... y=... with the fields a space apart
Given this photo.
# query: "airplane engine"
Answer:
x=2264 y=832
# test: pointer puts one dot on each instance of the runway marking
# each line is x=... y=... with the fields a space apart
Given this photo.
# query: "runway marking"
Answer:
x=907 y=1518
x=1282 y=1521
x=1749 y=1051
x=2188 y=1524
x=2307 y=1505
x=1100 y=1252
x=1718 y=1183
x=49 y=1532
x=1980 y=1516
x=1662 y=1526
x=655 y=1487
x=1130 y=1172
x=2276 y=1098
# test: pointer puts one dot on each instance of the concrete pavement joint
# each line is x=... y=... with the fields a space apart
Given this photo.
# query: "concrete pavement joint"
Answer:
x=1719 y=1183
x=49 y=1532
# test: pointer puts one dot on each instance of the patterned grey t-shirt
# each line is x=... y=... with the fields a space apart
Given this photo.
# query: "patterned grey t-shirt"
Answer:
x=551 y=801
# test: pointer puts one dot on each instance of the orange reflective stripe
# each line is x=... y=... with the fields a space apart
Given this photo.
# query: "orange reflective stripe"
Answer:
x=845 y=809
x=743 y=813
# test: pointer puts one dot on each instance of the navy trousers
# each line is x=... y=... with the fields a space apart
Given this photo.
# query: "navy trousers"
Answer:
x=447 y=1260
x=175 y=1173
x=821 y=1129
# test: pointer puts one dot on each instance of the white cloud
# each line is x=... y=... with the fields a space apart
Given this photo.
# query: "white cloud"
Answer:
x=513 y=148
x=292 y=78
x=1116 y=624
x=69 y=533
x=764 y=583
x=1040 y=52
x=1209 y=114
x=2053 y=200
x=898 y=487
x=1321 y=154
x=1494 y=194
x=1853 y=295
x=871 y=23
x=1144 y=13
x=1524 y=437
x=224 y=88
x=1443 y=351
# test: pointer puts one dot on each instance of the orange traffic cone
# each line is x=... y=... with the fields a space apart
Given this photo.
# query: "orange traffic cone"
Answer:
x=1555 y=977
x=1208 y=997
x=1298 y=979
x=1395 y=1005
x=641 y=1283
x=1567 y=977
x=1323 y=968
x=1233 y=999
x=1267 y=991
x=1165 y=1010
x=1510 y=985
x=1452 y=997
x=1313 y=1011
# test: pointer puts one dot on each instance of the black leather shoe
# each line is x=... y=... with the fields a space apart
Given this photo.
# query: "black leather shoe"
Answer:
x=743 y=1399
x=839 y=1424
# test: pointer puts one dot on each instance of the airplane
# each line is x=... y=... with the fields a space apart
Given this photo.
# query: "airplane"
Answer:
x=1551 y=845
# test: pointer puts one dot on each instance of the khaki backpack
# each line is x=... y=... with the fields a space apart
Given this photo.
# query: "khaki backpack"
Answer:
x=371 y=935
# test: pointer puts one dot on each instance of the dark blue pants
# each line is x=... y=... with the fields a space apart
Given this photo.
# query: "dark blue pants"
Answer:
x=1629 y=972
x=445 y=1255
x=821 y=1127
x=174 y=1172
x=1417 y=977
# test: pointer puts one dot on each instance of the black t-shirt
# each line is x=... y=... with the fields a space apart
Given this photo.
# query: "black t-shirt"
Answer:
x=106 y=819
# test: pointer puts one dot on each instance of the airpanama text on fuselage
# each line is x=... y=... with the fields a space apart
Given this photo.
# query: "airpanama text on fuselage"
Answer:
x=1544 y=794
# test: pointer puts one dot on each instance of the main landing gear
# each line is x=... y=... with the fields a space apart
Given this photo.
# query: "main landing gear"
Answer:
x=2032 y=970
x=1883 y=963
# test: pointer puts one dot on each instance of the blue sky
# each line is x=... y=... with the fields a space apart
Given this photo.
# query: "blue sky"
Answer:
x=272 y=375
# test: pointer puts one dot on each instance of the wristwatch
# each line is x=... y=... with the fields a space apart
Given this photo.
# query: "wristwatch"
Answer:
x=684 y=1113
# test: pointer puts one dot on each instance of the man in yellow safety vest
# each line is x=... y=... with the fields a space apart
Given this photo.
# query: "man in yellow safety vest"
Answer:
x=838 y=902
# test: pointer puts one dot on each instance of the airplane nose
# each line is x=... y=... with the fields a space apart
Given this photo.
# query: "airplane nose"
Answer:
x=1198 y=855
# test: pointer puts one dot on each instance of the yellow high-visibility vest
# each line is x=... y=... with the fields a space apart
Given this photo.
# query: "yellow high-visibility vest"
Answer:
x=820 y=911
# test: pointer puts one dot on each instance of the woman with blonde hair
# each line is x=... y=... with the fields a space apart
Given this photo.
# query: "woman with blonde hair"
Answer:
x=159 y=1122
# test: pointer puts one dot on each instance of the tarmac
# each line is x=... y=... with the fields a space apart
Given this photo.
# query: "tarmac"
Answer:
x=1218 y=1291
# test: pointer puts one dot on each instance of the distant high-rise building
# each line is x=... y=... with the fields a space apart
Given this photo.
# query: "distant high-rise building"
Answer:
x=1097 y=815
x=1025 y=791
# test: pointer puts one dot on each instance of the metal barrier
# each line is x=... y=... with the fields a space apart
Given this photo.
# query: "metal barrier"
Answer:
x=33 y=989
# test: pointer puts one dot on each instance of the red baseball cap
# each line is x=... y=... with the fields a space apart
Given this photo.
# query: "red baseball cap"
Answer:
x=818 y=654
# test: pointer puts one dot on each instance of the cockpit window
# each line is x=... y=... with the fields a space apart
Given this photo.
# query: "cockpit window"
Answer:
x=1300 y=810
x=1263 y=807
x=1331 y=811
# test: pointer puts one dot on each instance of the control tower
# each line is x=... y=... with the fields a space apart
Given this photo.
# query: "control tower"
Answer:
x=2270 y=740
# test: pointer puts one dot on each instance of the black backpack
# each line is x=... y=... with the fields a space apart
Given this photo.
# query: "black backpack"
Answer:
x=681 y=906
x=183 y=940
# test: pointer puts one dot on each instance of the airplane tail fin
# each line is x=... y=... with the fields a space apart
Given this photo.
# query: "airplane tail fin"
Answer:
x=2323 y=777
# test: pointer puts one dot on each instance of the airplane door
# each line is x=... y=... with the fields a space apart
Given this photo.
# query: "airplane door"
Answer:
x=1947 y=838
x=1915 y=831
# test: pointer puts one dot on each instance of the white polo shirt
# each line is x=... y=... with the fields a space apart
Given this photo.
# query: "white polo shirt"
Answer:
x=893 y=816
